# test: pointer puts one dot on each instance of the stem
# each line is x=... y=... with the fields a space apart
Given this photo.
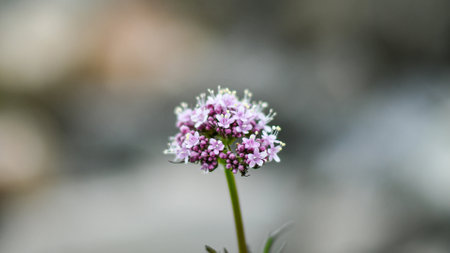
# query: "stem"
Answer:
x=237 y=211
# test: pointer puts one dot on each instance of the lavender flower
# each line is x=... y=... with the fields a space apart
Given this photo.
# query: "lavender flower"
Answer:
x=250 y=143
x=244 y=128
x=256 y=158
x=272 y=153
x=223 y=129
x=199 y=116
x=270 y=138
x=215 y=146
x=192 y=139
x=183 y=153
x=224 y=121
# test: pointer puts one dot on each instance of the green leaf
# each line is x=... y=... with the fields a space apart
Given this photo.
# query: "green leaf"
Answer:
x=209 y=249
x=275 y=235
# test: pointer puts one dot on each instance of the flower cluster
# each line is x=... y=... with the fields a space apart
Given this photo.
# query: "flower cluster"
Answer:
x=223 y=129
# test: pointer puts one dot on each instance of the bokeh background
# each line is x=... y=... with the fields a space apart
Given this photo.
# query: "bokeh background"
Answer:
x=88 y=88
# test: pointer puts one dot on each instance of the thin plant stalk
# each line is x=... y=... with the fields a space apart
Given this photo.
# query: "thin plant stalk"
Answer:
x=237 y=211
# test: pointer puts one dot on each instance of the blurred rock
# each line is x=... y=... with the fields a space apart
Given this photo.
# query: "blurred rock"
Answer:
x=39 y=44
x=137 y=46
x=397 y=138
x=28 y=150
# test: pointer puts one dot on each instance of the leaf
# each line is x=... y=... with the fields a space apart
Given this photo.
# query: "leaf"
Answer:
x=275 y=235
x=209 y=249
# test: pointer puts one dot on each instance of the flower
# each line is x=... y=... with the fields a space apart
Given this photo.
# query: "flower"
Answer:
x=272 y=153
x=256 y=158
x=228 y=100
x=243 y=114
x=215 y=146
x=199 y=116
x=244 y=128
x=250 y=143
x=192 y=140
x=270 y=138
x=183 y=114
x=224 y=120
x=183 y=153
x=223 y=129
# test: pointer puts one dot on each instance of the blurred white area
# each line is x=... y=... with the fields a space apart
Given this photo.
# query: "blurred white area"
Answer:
x=403 y=137
x=159 y=207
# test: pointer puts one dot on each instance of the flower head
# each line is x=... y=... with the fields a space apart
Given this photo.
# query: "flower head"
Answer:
x=222 y=128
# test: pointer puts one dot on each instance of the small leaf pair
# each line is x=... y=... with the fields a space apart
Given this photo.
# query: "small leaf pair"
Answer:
x=211 y=250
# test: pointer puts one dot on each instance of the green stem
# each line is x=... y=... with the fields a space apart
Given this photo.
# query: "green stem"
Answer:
x=237 y=211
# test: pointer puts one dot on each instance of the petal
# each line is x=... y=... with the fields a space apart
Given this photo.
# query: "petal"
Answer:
x=263 y=154
x=260 y=162
x=276 y=158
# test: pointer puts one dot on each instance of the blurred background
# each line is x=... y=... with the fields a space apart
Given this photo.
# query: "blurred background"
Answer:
x=88 y=88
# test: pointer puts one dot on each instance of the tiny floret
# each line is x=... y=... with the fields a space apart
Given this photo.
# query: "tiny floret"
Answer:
x=215 y=145
x=257 y=158
x=224 y=129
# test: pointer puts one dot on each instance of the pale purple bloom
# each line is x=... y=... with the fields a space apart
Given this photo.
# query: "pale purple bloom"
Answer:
x=215 y=145
x=272 y=153
x=257 y=158
x=213 y=100
x=223 y=117
x=244 y=128
x=269 y=139
x=250 y=142
x=192 y=139
x=262 y=122
x=228 y=100
x=243 y=117
x=205 y=167
x=184 y=116
x=224 y=120
x=183 y=153
x=173 y=146
x=243 y=114
x=199 y=116
x=262 y=118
